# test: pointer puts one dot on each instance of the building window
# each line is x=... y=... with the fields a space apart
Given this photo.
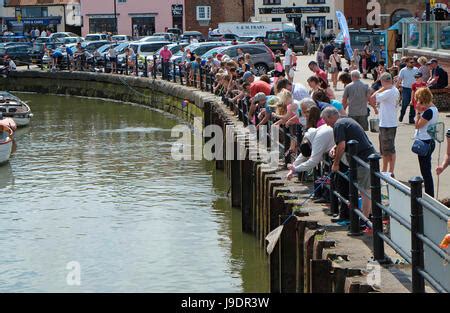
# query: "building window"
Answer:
x=316 y=2
x=34 y=12
x=99 y=25
x=122 y=1
x=203 y=13
x=271 y=2
x=143 y=26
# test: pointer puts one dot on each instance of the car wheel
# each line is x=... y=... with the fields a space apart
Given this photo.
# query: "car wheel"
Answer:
x=261 y=69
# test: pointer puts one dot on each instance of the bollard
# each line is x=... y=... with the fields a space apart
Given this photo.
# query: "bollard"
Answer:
x=353 y=191
x=417 y=260
x=377 y=213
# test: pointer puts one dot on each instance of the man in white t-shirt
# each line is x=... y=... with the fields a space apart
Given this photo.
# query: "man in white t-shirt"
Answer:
x=43 y=33
x=405 y=80
x=387 y=98
x=287 y=60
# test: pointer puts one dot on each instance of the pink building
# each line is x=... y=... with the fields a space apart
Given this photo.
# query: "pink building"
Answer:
x=134 y=17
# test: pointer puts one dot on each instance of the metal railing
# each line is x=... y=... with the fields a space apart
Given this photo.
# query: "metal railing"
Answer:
x=415 y=227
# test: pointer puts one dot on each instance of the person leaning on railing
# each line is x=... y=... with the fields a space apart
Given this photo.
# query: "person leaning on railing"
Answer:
x=441 y=168
x=346 y=129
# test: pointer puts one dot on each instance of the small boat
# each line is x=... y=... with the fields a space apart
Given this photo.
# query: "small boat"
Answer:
x=6 y=143
x=13 y=107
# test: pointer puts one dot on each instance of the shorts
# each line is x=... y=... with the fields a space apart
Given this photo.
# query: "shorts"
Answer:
x=364 y=177
x=362 y=120
x=387 y=140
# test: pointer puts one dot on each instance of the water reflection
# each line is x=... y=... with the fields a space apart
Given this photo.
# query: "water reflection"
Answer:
x=94 y=182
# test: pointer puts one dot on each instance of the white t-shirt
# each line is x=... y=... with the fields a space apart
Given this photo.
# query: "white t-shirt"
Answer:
x=44 y=33
x=407 y=76
x=422 y=133
x=388 y=101
x=287 y=57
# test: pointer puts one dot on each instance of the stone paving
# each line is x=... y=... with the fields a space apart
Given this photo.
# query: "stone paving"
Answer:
x=407 y=163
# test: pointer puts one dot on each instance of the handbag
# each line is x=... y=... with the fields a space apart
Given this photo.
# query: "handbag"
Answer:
x=420 y=148
x=338 y=64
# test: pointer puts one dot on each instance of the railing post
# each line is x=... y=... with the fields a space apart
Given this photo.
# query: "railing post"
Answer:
x=180 y=67
x=174 y=76
x=212 y=82
x=353 y=191
x=334 y=201
x=137 y=66
x=377 y=213
x=105 y=63
x=145 y=67
x=201 y=77
x=126 y=65
x=417 y=260
x=154 y=68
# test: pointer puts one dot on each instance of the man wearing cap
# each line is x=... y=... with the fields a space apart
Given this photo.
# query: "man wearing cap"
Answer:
x=439 y=77
x=406 y=79
x=248 y=77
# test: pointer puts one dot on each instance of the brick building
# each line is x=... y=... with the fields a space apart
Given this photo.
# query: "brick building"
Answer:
x=356 y=13
x=201 y=15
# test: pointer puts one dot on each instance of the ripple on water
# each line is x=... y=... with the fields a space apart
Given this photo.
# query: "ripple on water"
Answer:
x=94 y=182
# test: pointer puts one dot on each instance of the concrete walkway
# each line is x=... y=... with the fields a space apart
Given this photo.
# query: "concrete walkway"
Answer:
x=407 y=163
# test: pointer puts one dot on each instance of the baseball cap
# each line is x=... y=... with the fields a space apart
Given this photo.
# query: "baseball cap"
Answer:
x=432 y=61
x=418 y=75
x=247 y=75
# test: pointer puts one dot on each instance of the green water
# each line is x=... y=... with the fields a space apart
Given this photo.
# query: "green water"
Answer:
x=93 y=182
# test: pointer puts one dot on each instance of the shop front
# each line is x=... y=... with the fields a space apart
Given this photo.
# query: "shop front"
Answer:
x=27 y=24
x=99 y=23
x=143 y=24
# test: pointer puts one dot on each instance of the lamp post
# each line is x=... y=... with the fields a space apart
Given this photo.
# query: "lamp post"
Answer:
x=115 y=18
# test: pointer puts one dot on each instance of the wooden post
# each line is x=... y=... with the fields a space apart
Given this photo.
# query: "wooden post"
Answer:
x=246 y=191
x=320 y=276
x=289 y=256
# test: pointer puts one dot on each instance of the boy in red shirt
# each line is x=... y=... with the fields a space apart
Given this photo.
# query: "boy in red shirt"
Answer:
x=415 y=86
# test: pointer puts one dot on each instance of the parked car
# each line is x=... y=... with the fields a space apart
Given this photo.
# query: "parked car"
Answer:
x=153 y=39
x=17 y=39
x=176 y=31
x=358 y=39
x=167 y=36
x=250 y=39
x=121 y=38
x=174 y=48
x=199 y=49
x=275 y=39
x=67 y=40
x=19 y=53
x=144 y=49
x=222 y=37
x=90 y=46
x=58 y=35
x=38 y=50
x=96 y=37
x=262 y=57
x=101 y=52
x=186 y=36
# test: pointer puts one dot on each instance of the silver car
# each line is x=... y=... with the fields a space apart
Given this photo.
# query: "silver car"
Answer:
x=263 y=58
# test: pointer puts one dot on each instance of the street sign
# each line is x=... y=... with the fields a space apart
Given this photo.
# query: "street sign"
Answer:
x=294 y=15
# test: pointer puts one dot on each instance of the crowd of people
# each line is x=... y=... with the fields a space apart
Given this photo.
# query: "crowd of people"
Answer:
x=321 y=123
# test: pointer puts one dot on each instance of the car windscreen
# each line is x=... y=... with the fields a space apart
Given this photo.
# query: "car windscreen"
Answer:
x=190 y=47
x=92 y=37
x=41 y=40
x=121 y=48
x=104 y=48
x=134 y=47
x=275 y=36
x=245 y=39
x=211 y=52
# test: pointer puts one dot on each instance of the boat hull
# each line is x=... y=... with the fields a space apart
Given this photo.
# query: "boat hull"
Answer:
x=22 y=121
x=6 y=143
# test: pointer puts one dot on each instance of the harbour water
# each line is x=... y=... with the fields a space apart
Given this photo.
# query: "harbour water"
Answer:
x=92 y=183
